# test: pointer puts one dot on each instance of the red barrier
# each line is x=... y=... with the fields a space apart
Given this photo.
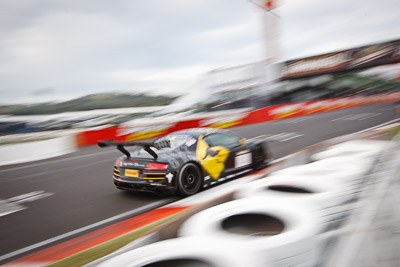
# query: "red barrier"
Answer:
x=91 y=137
x=276 y=112
x=181 y=125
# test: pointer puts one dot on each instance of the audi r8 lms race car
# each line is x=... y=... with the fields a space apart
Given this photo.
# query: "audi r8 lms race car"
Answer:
x=186 y=161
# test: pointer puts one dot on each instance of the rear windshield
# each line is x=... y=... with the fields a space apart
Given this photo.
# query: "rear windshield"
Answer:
x=176 y=139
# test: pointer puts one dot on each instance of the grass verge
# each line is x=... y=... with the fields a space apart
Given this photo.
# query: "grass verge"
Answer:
x=101 y=250
x=394 y=131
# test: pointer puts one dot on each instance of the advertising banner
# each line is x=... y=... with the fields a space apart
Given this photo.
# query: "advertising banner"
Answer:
x=357 y=58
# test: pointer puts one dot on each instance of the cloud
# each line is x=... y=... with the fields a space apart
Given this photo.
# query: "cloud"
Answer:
x=81 y=47
x=173 y=81
x=313 y=27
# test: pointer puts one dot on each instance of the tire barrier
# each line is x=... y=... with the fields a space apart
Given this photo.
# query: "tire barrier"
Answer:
x=328 y=201
x=354 y=148
x=308 y=189
x=186 y=251
x=349 y=171
x=282 y=235
x=351 y=162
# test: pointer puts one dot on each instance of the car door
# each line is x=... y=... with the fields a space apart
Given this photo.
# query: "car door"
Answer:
x=215 y=153
x=240 y=155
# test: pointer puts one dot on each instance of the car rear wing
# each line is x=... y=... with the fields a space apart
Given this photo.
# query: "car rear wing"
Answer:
x=145 y=144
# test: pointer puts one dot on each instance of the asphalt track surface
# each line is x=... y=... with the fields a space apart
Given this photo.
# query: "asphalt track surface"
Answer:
x=76 y=190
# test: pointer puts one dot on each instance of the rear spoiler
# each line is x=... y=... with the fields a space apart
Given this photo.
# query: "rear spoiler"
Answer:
x=145 y=144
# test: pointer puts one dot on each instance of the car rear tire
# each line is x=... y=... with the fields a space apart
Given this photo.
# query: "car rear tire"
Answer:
x=189 y=180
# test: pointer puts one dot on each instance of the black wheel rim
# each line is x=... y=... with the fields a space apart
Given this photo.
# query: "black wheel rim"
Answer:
x=190 y=179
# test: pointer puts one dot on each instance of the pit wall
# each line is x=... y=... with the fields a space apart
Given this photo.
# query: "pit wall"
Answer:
x=36 y=150
x=276 y=112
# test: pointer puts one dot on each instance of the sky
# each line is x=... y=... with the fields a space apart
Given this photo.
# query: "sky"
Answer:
x=57 y=50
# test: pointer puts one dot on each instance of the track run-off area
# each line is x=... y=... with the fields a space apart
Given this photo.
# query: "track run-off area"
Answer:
x=46 y=202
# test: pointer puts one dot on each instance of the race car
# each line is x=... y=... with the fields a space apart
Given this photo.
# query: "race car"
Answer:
x=186 y=161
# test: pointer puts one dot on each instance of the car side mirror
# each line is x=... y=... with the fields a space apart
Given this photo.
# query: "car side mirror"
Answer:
x=242 y=141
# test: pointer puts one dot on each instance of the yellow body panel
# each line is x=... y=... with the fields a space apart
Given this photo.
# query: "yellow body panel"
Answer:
x=212 y=158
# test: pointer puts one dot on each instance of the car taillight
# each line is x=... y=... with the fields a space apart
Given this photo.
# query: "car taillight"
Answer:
x=118 y=163
x=156 y=166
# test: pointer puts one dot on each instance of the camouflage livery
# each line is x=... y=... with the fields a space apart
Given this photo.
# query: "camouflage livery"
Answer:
x=186 y=161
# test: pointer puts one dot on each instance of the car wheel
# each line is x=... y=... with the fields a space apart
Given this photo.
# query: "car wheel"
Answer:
x=189 y=180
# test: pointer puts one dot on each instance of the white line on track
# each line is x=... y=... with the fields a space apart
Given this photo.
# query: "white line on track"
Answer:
x=357 y=117
x=378 y=126
x=294 y=120
x=290 y=138
x=29 y=197
x=12 y=205
x=8 y=208
x=370 y=116
x=281 y=137
x=85 y=228
x=56 y=161
x=343 y=117
x=53 y=171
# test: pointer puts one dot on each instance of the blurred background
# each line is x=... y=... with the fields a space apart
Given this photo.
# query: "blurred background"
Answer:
x=68 y=56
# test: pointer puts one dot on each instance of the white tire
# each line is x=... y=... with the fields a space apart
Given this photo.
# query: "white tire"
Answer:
x=348 y=171
x=294 y=243
x=354 y=148
x=329 y=202
x=186 y=251
x=352 y=165
x=327 y=192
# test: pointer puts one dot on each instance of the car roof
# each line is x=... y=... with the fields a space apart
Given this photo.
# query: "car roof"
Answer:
x=199 y=131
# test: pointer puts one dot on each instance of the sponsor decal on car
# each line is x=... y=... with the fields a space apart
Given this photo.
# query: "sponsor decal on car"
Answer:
x=242 y=158
x=131 y=173
x=191 y=142
x=132 y=164
x=169 y=176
